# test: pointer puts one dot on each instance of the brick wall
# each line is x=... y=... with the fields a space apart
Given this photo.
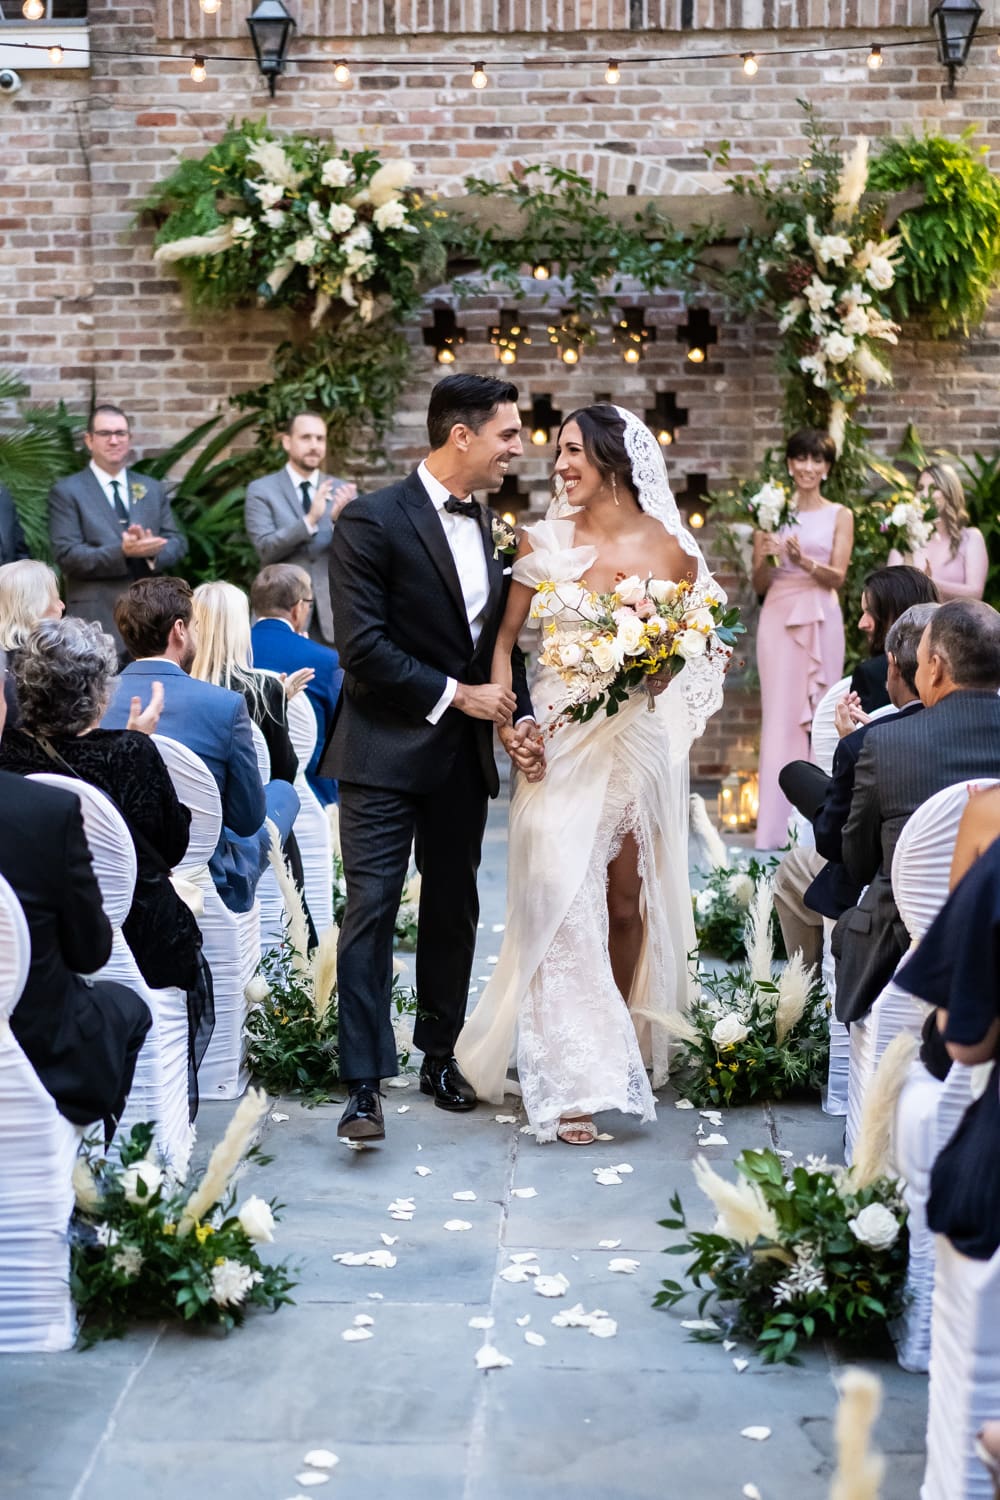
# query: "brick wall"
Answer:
x=82 y=308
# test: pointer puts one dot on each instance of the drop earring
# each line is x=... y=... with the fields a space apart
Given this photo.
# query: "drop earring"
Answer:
x=614 y=490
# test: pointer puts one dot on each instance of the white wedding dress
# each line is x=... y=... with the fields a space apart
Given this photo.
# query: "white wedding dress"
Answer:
x=552 y=1002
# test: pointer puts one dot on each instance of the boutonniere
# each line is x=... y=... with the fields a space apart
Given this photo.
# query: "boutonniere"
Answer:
x=137 y=491
x=504 y=539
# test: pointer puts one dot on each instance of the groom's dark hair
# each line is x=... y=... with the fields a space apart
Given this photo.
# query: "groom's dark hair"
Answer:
x=469 y=399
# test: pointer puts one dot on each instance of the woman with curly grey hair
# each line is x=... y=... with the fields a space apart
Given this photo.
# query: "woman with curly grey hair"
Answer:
x=63 y=671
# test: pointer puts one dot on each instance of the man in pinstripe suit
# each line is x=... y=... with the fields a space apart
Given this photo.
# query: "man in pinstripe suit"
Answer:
x=902 y=763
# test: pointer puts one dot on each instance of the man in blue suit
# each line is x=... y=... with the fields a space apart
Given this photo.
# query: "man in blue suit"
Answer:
x=154 y=619
x=282 y=600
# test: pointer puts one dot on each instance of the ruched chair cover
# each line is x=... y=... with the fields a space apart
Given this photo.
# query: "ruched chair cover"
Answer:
x=159 y=1092
x=823 y=739
x=823 y=736
x=231 y=940
x=312 y=826
x=269 y=898
x=37 y=1150
x=964 y=1372
x=835 y=1093
x=921 y=865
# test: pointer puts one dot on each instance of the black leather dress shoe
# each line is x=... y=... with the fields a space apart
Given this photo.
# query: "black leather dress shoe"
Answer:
x=362 y=1118
x=442 y=1077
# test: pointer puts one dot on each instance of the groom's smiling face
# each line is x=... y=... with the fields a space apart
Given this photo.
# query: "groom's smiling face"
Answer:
x=489 y=453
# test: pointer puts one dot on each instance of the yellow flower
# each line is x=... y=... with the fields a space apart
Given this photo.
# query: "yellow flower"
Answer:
x=219 y=1260
x=734 y=1067
x=170 y=1227
x=202 y=1233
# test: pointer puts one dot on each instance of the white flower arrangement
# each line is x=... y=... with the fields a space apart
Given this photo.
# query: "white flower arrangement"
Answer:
x=771 y=507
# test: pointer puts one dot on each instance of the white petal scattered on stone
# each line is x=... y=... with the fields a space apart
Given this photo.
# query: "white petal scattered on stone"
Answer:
x=728 y=1344
x=488 y=1358
x=402 y=1205
x=521 y=1257
x=403 y=1217
x=362 y=1320
x=278 y=1117
x=605 y=1137
x=389 y=1239
x=456 y=1226
x=739 y=1365
x=756 y=1434
x=711 y=1115
x=466 y=1196
x=714 y=1140
x=493 y=959
x=527 y=1130
x=397 y=1083
x=624 y=1265
x=310 y=1476
x=484 y=978
x=551 y=1286
x=785 y=1154
x=624 y=1168
x=700 y=1325
x=375 y=1297
x=505 y=1119
x=321 y=1458
x=536 y=1339
x=606 y=1176
x=608 y=1244
x=603 y=1328
x=523 y=1193
x=353 y=1145
x=523 y=1322
x=481 y=1322
x=380 y=1258
x=497 y=927
x=422 y=1171
x=473 y=989
x=355 y=1335
x=750 y=1492
x=403 y=1109
x=514 y=1274
x=683 y=1104
x=573 y=1317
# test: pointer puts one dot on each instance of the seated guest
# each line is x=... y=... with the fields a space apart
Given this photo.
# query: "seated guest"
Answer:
x=886 y=593
x=154 y=618
x=901 y=764
x=955 y=555
x=64 y=673
x=29 y=592
x=81 y=1036
x=281 y=599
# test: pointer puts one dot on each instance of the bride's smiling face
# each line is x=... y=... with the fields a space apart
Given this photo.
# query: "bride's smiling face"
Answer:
x=581 y=480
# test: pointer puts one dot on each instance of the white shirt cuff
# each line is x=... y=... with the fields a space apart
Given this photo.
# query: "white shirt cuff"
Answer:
x=525 y=719
x=445 y=701
x=312 y=530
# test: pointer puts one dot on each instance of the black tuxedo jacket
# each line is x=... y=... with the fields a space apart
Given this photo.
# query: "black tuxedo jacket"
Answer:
x=401 y=629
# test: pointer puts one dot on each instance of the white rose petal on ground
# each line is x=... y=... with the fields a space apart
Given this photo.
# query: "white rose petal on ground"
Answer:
x=624 y=1167
x=750 y=1492
x=521 y=1257
x=604 y=1136
x=422 y=1171
x=497 y=927
x=683 y=1104
x=397 y=1083
x=786 y=1154
x=551 y=1286
x=389 y=1239
x=466 y=1196
x=700 y=1325
x=402 y=1206
x=488 y=1358
x=536 y=1339
x=375 y=1297
x=606 y=1177
x=739 y=1365
x=527 y=1130
x=728 y=1344
x=713 y=1116
x=523 y=1193
x=514 y=1274
x=278 y=1117
x=608 y=1244
x=523 y=1322
x=481 y=1322
x=353 y=1145
x=383 y=1259
x=456 y=1226
x=756 y=1434
x=355 y=1335
x=399 y=1214
x=492 y=958
x=403 y=1109
x=505 y=1119
x=312 y=1478
x=624 y=1265
x=714 y=1140
x=321 y=1458
x=362 y=1320
x=602 y=1328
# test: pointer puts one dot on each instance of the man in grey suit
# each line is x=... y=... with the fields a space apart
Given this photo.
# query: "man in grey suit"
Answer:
x=110 y=524
x=290 y=515
x=902 y=763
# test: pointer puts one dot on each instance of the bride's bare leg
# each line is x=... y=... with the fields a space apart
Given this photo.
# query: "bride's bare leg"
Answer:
x=624 y=915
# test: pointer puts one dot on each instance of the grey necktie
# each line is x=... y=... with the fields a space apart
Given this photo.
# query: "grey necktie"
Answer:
x=305 y=488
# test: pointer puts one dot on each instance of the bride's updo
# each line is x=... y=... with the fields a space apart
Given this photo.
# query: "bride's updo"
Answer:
x=603 y=433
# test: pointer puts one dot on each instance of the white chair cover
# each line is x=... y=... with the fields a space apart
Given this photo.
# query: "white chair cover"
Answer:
x=835 y=1094
x=920 y=868
x=263 y=754
x=37 y=1150
x=823 y=736
x=159 y=1091
x=312 y=826
x=269 y=899
x=964 y=1373
x=231 y=941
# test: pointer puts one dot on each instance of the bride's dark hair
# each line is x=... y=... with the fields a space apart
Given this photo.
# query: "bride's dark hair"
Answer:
x=603 y=434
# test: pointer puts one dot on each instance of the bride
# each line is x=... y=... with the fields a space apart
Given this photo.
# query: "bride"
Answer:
x=599 y=920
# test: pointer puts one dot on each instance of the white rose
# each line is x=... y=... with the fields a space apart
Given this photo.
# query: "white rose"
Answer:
x=340 y=218
x=855 y=323
x=690 y=643
x=699 y=619
x=391 y=215
x=244 y=229
x=360 y=238
x=661 y=590
x=304 y=250
x=631 y=636
x=729 y=1031
x=268 y=193
x=703 y=902
x=257 y=1220
x=604 y=655
x=833 y=247
x=837 y=347
x=741 y=888
x=879 y=273
x=875 y=1226
x=335 y=173
x=818 y=294
x=900 y=514
x=570 y=654
x=631 y=589
x=274 y=218
x=146 y=1172
x=258 y=990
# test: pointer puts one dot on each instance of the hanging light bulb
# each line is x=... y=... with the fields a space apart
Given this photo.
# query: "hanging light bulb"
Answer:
x=571 y=356
x=540 y=436
x=33 y=10
x=612 y=73
x=56 y=56
x=341 y=73
x=664 y=437
x=198 y=70
x=210 y=6
x=875 y=58
x=750 y=64
x=479 y=78
x=541 y=272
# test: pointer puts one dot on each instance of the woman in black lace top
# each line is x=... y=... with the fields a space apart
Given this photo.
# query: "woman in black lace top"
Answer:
x=63 y=671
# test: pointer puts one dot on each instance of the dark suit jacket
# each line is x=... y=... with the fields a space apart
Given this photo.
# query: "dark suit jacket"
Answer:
x=76 y=1042
x=869 y=682
x=12 y=543
x=902 y=763
x=277 y=648
x=402 y=630
x=276 y=525
x=87 y=541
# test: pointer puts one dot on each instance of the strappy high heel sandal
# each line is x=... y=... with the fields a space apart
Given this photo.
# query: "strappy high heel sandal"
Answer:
x=579 y=1132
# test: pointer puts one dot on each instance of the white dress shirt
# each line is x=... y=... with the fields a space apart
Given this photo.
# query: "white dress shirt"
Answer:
x=105 y=479
x=298 y=480
x=466 y=542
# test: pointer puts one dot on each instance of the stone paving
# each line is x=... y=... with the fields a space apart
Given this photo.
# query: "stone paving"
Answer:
x=647 y=1413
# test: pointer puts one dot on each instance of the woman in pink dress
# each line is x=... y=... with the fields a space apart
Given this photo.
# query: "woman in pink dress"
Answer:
x=955 y=556
x=800 y=634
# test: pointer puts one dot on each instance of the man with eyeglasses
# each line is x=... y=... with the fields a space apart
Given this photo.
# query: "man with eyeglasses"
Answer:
x=110 y=524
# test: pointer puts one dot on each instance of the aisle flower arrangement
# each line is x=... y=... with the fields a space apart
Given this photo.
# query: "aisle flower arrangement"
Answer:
x=751 y=1033
x=792 y=1258
x=722 y=903
x=147 y=1246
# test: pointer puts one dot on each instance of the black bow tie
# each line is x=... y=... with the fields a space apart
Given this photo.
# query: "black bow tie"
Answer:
x=463 y=507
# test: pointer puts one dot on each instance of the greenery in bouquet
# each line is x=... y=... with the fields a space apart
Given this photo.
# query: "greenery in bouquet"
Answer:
x=820 y=1251
x=147 y=1246
x=721 y=906
x=605 y=645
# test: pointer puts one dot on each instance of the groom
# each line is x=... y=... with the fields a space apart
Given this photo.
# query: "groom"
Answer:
x=418 y=589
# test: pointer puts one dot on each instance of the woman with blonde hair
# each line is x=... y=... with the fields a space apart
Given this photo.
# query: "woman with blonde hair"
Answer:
x=955 y=556
x=29 y=592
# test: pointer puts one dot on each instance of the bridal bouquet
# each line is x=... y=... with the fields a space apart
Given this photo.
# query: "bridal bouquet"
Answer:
x=771 y=507
x=909 y=526
x=605 y=645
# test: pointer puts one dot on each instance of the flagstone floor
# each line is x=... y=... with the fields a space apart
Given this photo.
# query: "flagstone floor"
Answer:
x=646 y=1413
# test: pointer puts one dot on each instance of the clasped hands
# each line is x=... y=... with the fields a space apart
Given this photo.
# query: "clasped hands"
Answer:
x=139 y=541
x=848 y=715
x=523 y=742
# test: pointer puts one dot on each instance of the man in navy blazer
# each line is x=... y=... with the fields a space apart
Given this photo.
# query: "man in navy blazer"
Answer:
x=154 y=618
x=281 y=599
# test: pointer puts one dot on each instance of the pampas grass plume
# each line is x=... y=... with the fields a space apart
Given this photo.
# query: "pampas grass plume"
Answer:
x=853 y=181
x=217 y=243
x=295 y=914
x=859 y=1470
x=757 y=933
x=324 y=970
x=794 y=984
x=674 y=1022
x=224 y=1159
x=743 y=1212
x=333 y=818
x=873 y=1147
